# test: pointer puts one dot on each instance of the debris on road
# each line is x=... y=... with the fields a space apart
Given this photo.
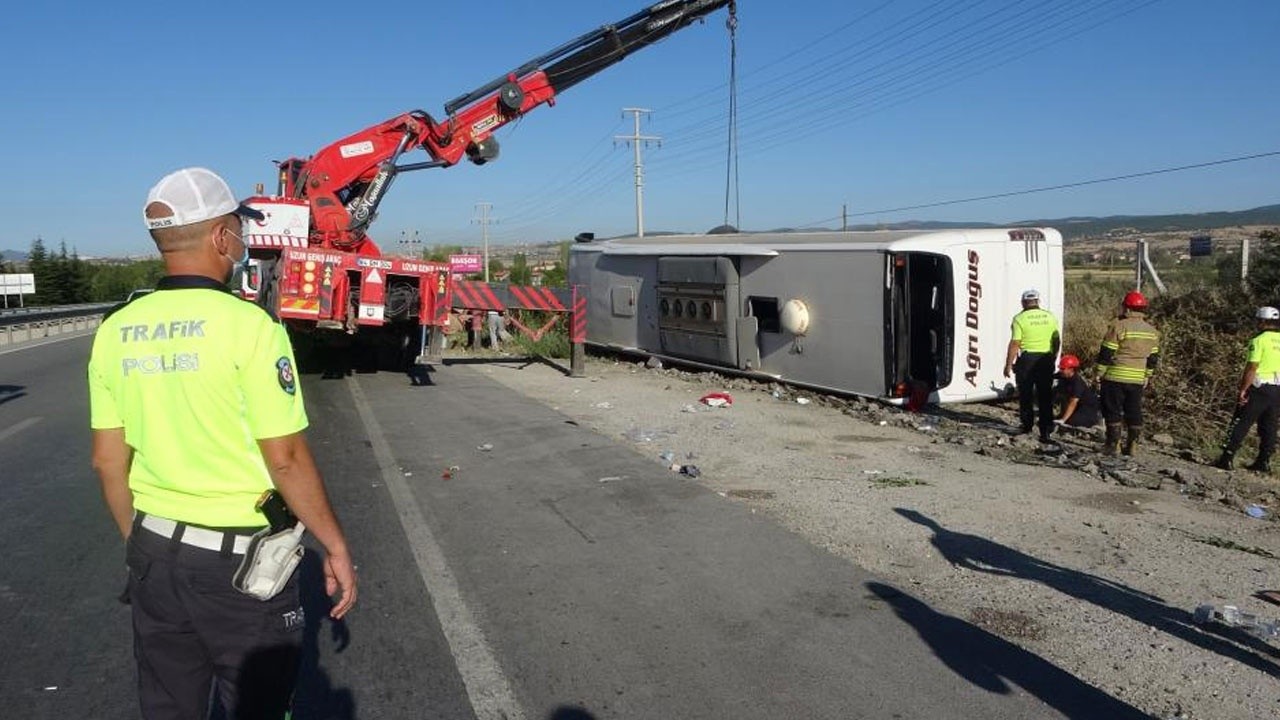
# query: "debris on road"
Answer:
x=1233 y=617
x=716 y=399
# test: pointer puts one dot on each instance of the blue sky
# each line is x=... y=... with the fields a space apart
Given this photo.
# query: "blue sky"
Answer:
x=872 y=104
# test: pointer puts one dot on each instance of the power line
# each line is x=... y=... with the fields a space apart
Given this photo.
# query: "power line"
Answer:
x=1065 y=186
x=905 y=32
x=880 y=87
x=946 y=53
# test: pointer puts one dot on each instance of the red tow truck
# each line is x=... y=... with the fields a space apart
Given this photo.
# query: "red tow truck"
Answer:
x=314 y=263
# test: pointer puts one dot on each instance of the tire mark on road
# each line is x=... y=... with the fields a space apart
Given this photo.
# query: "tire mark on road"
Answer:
x=18 y=427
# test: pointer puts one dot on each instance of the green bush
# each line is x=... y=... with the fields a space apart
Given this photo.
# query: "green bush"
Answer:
x=1205 y=322
x=554 y=343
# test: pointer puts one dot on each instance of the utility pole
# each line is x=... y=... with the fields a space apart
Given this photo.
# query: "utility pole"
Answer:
x=635 y=141
x=1244 y=263
x=484 y=220
x=412 y=246
x=844 y=217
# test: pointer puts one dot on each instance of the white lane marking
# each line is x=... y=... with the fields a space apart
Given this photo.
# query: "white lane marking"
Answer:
x=47 y=341
x=18 y=427
x=487 y=688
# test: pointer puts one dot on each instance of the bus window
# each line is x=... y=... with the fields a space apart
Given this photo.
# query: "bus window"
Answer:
x=765 y=311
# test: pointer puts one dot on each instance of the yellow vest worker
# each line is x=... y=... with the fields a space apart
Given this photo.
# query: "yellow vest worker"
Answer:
x=1258 y=400
x=197 y=416
x=1032 y=353
x=204 y=365
x=1035 y=329
x=1264 y=353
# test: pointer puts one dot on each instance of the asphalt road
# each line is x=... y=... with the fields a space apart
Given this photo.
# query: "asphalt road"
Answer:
x=521 y=586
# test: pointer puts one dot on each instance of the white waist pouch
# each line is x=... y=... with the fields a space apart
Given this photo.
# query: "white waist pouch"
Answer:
x=269 y=562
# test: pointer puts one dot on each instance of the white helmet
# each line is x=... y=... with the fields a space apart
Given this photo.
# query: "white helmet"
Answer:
x=1267 y=313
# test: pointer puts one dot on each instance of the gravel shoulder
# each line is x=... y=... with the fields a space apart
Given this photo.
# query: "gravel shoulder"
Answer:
x=1095 y=567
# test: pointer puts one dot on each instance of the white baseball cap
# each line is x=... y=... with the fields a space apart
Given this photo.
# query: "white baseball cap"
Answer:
x=1031 y=294
x=193 y=195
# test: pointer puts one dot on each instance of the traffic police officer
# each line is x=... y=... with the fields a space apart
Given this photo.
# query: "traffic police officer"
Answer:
x=1126 y=361
x=196 y=411
x=1030 y=357
x=1259 y=398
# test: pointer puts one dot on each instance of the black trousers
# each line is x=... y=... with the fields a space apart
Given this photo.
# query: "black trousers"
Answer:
x=1263 y=407
x=194 y=633
x=1122 y=401
x=1033 y=373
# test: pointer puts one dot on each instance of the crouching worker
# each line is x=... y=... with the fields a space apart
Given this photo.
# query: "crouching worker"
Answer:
x=1078 y=401
x=1259 y=397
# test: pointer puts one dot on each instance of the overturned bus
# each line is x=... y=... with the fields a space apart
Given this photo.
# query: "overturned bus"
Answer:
x=906 y=316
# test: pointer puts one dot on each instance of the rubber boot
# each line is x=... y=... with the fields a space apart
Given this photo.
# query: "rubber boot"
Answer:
x=1131 y=436
x=1112 y=441
x=1224 y=460
x=1261 y=465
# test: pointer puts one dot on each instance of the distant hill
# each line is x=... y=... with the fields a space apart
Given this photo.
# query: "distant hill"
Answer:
x=1082 y=227
x=12 y=255
x=1092 y=227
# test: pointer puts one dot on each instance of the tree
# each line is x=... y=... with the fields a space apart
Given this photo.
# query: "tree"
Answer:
x=1264 y=269
x=558 y=275
x=555 y=277
x=78 y=276
x=441 y=253
x=38 y=264
x=66 y=279
x=113 y=283
x=521 y=273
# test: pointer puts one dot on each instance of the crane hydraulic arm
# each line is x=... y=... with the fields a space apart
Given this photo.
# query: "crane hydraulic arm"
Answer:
x=345 y=182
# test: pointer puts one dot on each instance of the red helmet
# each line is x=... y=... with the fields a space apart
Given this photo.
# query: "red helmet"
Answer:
x=1069 y=361
x=1135 y=300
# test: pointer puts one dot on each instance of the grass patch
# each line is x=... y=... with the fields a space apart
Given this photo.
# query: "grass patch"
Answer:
x=554 y=343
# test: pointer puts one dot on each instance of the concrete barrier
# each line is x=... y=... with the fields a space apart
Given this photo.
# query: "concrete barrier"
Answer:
x=37 y=325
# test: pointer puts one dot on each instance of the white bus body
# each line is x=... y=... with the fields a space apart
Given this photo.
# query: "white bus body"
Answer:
x=898 y=315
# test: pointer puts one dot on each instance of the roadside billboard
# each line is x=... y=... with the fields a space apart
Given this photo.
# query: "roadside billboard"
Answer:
x=16 y=284
x=466 y=264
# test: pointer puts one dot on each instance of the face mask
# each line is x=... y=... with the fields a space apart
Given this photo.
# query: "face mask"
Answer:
x=242 y=264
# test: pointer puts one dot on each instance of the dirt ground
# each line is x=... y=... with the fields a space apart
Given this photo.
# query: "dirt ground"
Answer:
x=1095 y=566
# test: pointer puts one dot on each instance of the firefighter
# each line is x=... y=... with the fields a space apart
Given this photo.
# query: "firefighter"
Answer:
x=1127 y=359
x=1259 y=398
x=1030 y=358
x=197 y=415
x=1079 y=401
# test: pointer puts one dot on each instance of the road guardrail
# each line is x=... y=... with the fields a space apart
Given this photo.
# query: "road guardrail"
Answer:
x=23 y=325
